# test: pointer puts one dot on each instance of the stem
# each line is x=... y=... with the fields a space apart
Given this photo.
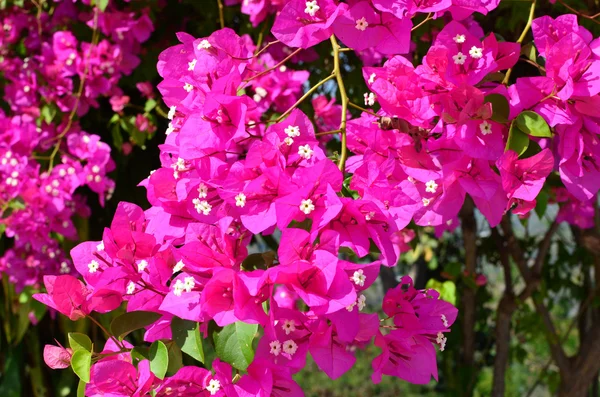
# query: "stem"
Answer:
x=338 y=75
x=522 y=37
x=355 y=106
x=328 y=133
x=221 y=16
x=423 y=22
x=117 y=342
x=273 y=67
x=590 y=17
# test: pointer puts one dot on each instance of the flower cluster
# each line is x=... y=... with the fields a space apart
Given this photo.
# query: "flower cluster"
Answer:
x=231 y=177
x=52 y=78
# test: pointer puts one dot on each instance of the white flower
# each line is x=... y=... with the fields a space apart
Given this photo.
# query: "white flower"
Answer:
x=362 y=302
x=189 y=284
x=426 y=202
x=240 y=200
x=359 y=278
x=188 y=87
x=130 y=288
x=441 y=340
x=307 y=206
x=459 y=38
x=202 y=207
x=290 y=347
x=204 y=44
x=288 y=326
x=192 y=64
x=476 y=52
x=213 y=386
x=170 y=129
x=431 y=186
x=178 y=288
x=202 y=190
x=486 y=128
x=305 y=152
x=362 y=24
x=311 y=8
x=100 y=247
x=288 y=141
x=292 y=131
x=351 y=307
x=64 y=268
x=142 y=265
x=372 y=78
x=93 y=266
x=459 y=59
x=444 y=320
x=172 y=111
x=178 y=266
x=369 y=99
x=275 y=347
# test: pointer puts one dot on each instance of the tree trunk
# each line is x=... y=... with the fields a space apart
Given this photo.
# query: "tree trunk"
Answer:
x=506 y=309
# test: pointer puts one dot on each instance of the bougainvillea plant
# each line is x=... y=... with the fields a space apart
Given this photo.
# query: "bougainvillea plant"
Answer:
x=244 y=167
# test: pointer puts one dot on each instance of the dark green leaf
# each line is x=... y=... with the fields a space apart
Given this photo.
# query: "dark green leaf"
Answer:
x=187 y=336
x=500 y=107
x=81 y=361
x=528 y=50
x=140 y=353
x=131 y=321
x=79 y=341
x=533 y=124
x=159 y=359
x=234 y=344
x=518 y=141
x=541 y=203
x=11 y=382
x=175 y=359
x=260 y=260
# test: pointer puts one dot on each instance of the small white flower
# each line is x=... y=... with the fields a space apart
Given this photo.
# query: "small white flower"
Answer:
x=441 y=340
x=130 y=288
x=188 y=87
x=444 y=320
x=204 y=44
x=172 y=111
x=202 y=207
x=369 y=99
x=275 y=348
x=240 y=200
x=189 y=284
x=311 y=8
x=372 y=78
x=362 y=302
x=100 y=247
x=459 y=59
x=178 y=288
x=351 y=307
x=178 y=266
x=202 y=190
x=192 y=64
x=292 y=131
x=142 y=265
x=476 y=52
x=359 y=278
x=290 y=347
x=213 y=386
x=307 y=206
x=459 y=38
x=288 y=141
x=431 y=186
x=261 y=92
x=170 y=129
x=64 y=268
x=426 y=202
x=305 y=152
x=282 y=68
x=288 y=326
x=486 y=128
x=93 y=266
x=362 y=24
x=26 y=89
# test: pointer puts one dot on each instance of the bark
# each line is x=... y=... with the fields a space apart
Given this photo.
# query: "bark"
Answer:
x=506 y=308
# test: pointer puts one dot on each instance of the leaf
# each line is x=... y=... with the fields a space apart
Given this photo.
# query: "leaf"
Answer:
x=11 y=382
x=175 y=359
x=102 y=4
x=79 y=341
x=159 y=359
x=81 y=363
x=117 y=137
x=541 y=203
x=131 y=321
x=533 y=124
x=140 y=353
x=447 y=289
x=260 y=260
x=500 y=107
x=187 y=336
x=518 y=141
x=150 y=104
x=528 y=50
x=234 y=344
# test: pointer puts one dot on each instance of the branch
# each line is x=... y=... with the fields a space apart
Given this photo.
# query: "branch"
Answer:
x=337 y=71
x=522 y=37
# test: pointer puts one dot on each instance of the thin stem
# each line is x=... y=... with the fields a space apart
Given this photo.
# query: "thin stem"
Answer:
x=117 y=342
x=274 y=67
x=355 y=106
x=221 y=15
x=423 y=22
x=590 y=17
x=522 y=37
x=344 y=97
x=328 y=133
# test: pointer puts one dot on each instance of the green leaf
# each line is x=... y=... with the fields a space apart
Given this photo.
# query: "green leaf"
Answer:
x=102 y=4
x=528 y=50
x=11 y=383
x=159 y=359
x=500 y=107
x=447 y=289
x=175 y=359
x=131 y=321
x=533 y=124
x=117 y=137
x=541 y=203
x=234 y=344
x=81 y=389
x=81 y=361
x=260 y=260
x=150 y=104
x=518 y=141
x=140 y=353
x=187 y=336
x=79 y=341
